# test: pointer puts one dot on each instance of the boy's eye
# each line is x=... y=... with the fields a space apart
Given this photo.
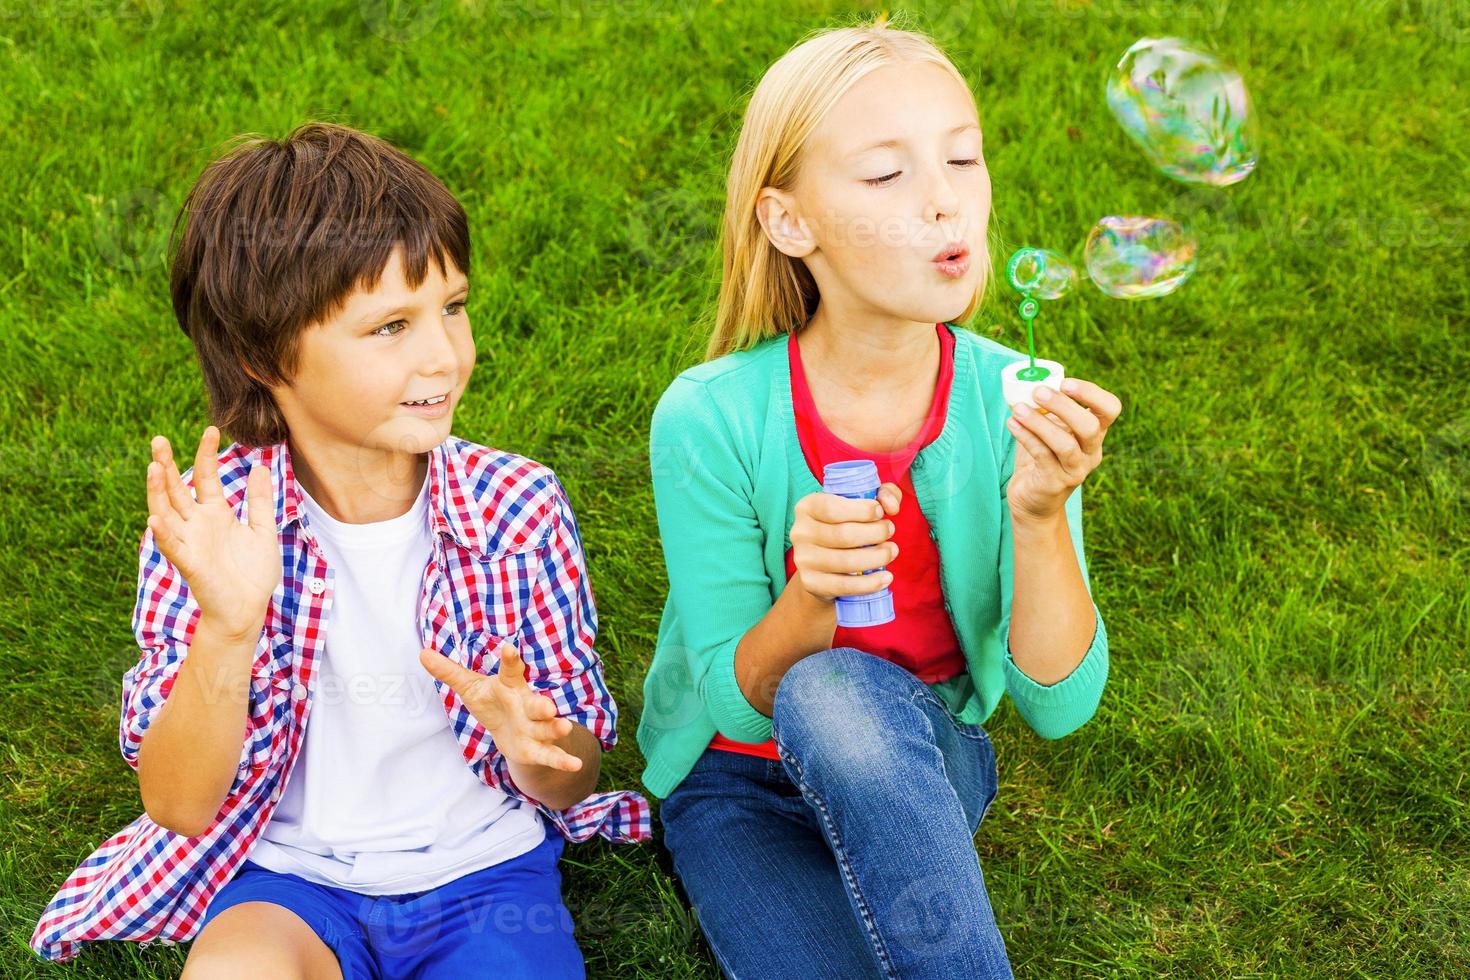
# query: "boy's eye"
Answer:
x=966 y=163
x=453 y=309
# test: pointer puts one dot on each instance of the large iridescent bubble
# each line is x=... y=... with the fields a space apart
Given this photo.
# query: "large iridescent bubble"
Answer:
x=1133 y=257
x=1188 y=112
x=1040 y=273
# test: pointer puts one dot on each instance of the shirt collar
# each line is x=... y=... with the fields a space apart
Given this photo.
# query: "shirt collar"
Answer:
x=453 y=507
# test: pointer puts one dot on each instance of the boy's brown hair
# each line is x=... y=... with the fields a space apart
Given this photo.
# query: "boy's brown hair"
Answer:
x=276 y=235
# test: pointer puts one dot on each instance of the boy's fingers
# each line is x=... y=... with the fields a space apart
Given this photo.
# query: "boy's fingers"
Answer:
x=166 y=533
x=550 y=731
x=261 y=509
x=540 y=707
x=557 y=759
x=441 y=667
x=158 y=502
x=206 y=467
x=512 y=668
x=173 y=484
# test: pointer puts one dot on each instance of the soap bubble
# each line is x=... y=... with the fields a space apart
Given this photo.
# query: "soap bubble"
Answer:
x=1139 y=258
x=1188 y=112
x=1040 y=273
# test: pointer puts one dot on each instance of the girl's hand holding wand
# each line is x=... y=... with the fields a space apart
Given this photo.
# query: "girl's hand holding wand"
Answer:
x=1058 y=454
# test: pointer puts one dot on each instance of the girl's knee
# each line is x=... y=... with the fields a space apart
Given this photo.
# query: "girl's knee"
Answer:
x=841 y=710
x=840 y=675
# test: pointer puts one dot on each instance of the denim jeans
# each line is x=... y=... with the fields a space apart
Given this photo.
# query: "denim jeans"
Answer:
x=854 y=855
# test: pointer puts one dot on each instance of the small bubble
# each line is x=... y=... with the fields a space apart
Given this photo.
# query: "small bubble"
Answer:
x=1138 y=257
x=1041 y=273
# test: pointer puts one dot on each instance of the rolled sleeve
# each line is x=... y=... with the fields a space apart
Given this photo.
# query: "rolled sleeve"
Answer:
x=146 y=686
x=559 y=629
x=164 y=616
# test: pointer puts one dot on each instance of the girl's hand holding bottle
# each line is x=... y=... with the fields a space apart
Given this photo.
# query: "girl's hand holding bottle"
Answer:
x=834 y=537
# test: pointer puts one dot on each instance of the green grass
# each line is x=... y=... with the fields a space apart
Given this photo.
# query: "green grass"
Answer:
x=1275 y=783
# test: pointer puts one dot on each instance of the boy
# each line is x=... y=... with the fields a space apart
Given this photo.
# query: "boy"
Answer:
x=350 y=562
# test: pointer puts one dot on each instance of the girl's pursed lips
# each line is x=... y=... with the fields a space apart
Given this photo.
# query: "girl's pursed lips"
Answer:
x=952 y=251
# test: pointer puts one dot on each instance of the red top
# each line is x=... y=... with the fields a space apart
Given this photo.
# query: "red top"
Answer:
x=920 y=638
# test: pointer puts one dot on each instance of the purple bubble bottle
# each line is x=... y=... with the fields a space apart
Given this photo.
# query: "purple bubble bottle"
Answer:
x=858 y=478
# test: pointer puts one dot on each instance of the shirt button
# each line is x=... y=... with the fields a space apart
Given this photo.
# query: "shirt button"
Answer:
x=317 y=586
x=298 y=691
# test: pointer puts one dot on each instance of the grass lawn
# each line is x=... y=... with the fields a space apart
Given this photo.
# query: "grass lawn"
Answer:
x=1279 y=535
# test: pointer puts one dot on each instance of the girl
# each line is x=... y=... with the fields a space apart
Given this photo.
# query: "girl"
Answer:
x=822 y=785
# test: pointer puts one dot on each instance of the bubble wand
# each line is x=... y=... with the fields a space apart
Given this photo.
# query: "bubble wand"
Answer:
x=1037 y=274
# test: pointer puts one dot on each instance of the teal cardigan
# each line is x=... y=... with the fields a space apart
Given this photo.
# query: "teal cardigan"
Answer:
x=727 y=471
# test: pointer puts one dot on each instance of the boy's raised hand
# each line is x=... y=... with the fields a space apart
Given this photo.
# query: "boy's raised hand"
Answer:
x=522 y=720
x=231 y=568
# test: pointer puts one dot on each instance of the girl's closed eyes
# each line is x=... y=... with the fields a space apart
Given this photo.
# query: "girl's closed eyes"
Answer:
x=879 y=181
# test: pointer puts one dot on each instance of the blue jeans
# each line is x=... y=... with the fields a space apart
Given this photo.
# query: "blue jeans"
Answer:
x=853 y=856
x=506 y=920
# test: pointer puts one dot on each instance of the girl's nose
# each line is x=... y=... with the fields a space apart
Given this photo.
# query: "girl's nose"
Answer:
x=944 y=201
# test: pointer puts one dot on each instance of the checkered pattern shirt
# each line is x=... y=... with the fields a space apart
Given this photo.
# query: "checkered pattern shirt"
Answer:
x=507 y=563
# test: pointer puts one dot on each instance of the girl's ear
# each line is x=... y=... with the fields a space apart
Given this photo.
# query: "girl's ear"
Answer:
x=776 y=211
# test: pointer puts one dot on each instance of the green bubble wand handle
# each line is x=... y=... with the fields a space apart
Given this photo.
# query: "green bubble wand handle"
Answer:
x=1022 y=282
x=1028 y=310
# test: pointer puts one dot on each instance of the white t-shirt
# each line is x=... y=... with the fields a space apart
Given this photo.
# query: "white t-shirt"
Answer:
x=380 y=800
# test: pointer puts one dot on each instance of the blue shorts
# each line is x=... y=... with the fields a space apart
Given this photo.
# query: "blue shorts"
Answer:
x=507 y=919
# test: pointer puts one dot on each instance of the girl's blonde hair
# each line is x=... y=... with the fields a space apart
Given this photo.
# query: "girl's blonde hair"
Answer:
x=764 y=292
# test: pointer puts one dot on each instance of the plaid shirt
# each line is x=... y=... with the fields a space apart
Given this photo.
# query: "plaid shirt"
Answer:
x=507 y=563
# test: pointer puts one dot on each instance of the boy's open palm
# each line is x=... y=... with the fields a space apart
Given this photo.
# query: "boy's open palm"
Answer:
x=522 y=720
x=231 y=568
